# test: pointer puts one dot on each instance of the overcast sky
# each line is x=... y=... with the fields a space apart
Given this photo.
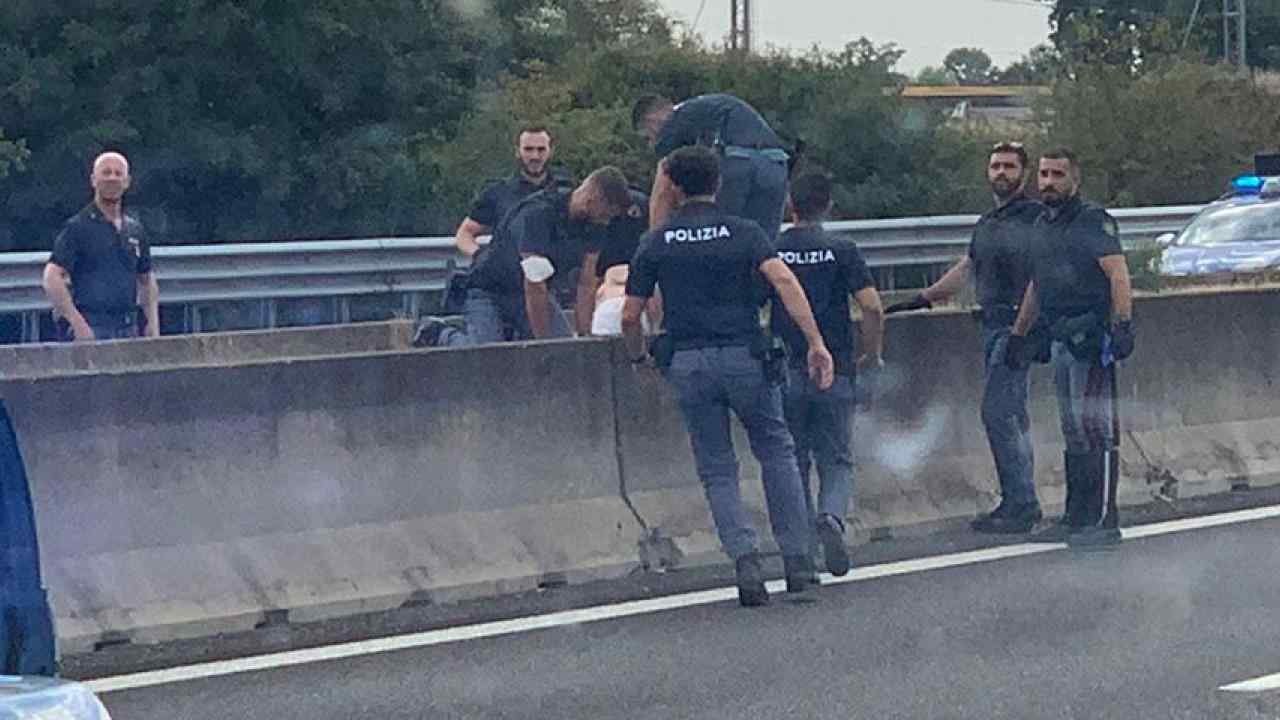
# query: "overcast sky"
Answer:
x=926 y=29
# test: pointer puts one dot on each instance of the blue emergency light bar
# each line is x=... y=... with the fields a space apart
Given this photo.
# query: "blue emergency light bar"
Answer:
x=1248 y=184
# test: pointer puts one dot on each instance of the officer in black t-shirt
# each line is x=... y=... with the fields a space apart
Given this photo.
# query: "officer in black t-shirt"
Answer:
x=534 y=150
x=100 y=270
x=753 y=163
x=830 y=269
x=1080 y=295
x=534 y=251
x=708 y=265
x=999 y=261
x=615 y=245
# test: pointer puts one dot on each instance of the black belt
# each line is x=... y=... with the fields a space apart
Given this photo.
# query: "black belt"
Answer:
x=996 y=314
x=121 y=318
x=704 y=344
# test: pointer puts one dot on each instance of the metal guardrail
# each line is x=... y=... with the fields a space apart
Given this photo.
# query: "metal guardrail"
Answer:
x=343 y=268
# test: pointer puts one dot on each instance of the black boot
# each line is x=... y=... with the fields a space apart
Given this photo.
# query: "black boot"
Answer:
x=1017 y=519
x=799 y=572
x=834 y=551
x=1074 y=515
x=751 y=589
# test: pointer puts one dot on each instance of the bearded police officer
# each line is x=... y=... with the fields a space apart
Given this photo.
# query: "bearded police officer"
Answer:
x=753 y=163
x=100 y=271
x=999 y=261
x=538 y=245
x=708 y=265
x=1080 y=300
x=830 y=269
x=534 y=150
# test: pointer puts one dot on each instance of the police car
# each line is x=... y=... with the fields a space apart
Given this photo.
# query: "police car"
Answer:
x=41 y=698
x=1239 y=233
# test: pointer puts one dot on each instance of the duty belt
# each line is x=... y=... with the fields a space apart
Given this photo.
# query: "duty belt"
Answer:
x=770 y=154
x=996 y=314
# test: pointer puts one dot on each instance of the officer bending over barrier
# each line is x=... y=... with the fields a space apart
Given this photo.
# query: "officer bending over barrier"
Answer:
x=708 y=265
x=539 y=243
x=830 y=269
x=1078 y=308
x=999 y=261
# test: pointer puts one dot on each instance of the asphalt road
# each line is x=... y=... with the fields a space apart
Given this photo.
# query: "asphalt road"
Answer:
x=1150 y=630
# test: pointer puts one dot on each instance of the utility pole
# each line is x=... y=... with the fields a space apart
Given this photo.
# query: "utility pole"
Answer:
x=740 y=30
x=1235 y=29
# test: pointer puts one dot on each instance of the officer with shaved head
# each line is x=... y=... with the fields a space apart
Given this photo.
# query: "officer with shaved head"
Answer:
x=99 y=277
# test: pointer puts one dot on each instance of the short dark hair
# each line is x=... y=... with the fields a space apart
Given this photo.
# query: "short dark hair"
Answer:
x=695 y=170
x=534 y=129
x=612 y=184
x=1062 y=153
x=1012 y=148
x=644 y=107
x=811 y=195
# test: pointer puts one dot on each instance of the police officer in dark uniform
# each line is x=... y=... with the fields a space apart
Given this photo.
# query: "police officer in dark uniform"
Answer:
x=830 y=269
x=753 y=163
x=539 y=243
x=999 y=261
x=1080 y=303
x=99 y=273
x=617 y=243
x=708 y=264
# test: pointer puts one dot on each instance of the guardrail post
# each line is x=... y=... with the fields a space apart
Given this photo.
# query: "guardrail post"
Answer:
x=342 y=310
x=269 y=312
x=31 y=327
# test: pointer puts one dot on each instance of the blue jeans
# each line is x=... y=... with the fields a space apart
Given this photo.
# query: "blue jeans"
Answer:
x=497 y=317
x=1005 y=417
x=820 y=422
x=104 y=328
x=1084 y=401
x=755 y=188
x=709 y=383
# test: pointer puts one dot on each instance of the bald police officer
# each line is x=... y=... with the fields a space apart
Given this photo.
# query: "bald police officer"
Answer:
x=708 y=265
x=753 y=163
x=1080 y=295
x=999 y=261
x=99 y=273
x=830 y=269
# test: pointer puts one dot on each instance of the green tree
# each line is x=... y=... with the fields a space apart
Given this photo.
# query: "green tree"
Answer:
x=969 y=66
x=1041 y=66
x=934 y=75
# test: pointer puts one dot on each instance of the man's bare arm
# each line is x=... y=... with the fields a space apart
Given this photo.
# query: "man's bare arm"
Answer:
x=588 y=284
x=466 y=237
x=1117 y=272
x=149 y=301
x=871 y=325
x=59 y=295
x=537 y=305
x=662 y=200
x=1029 y=312
x=952 y=282
x=632 y=328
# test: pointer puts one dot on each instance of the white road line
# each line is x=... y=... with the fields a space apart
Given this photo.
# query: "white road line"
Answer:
x=1266 y=683
x=621 y=610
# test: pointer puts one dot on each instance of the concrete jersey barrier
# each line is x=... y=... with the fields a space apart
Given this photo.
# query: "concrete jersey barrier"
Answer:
x=186 y=500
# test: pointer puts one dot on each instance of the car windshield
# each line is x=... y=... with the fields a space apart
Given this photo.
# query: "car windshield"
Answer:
x=1241 y=223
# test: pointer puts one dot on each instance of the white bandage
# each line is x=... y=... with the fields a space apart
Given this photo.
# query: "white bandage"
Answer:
x=537 y=268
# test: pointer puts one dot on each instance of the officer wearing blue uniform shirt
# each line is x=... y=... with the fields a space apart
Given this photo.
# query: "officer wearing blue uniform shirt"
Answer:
x=1080 y=304
x=539 y=243
x=534 y=150
x=708 y=264
x=830 y=269
x=99 y=274
x=999 y=261
x=753 y=163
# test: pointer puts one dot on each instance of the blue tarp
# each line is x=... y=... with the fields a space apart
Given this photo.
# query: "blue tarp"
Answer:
x=27 y=645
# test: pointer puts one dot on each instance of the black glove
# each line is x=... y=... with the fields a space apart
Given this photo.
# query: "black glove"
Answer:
x=1015 y=353
x=919 y=302
x=1122 y=339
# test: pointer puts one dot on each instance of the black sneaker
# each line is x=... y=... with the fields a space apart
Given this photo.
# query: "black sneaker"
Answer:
x=1094 y=538
x=1058 y=532
x=751 y=589
x=834 y=551
x=1002 y=510
x=428 y=333
x=1015 y=521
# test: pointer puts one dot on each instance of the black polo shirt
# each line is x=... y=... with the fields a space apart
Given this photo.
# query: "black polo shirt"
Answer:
x=620 y=240
x=538 y=225
x=104 y=264
x=830 y=268
x=708 y=119
x=1000 y=252
x=708 y=266
x=1068 y=244
x=500 y=196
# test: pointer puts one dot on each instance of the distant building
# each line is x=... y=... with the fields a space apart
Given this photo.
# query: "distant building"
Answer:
x=990 y=103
